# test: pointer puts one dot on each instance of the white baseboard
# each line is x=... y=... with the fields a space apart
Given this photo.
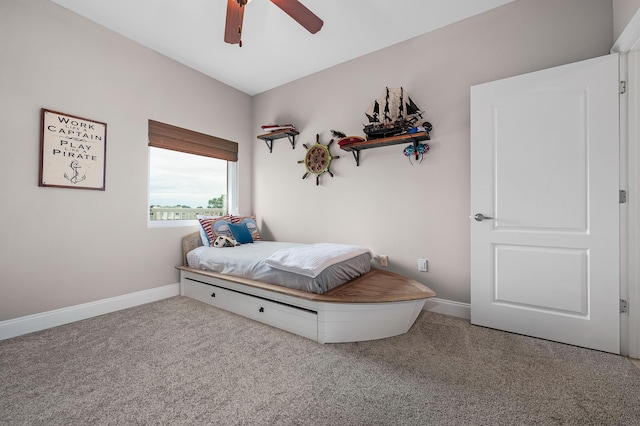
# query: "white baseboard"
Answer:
x=29 y=324
x=448 y=307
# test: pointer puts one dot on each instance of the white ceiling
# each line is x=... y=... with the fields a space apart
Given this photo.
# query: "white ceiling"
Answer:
x=275 y=49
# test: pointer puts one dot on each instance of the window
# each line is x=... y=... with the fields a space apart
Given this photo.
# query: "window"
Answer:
x=189 y=173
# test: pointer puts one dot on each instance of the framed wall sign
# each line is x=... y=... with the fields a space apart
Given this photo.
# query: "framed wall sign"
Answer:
x=73 y=151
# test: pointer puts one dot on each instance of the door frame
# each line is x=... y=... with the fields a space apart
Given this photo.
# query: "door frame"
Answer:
x=628 y=47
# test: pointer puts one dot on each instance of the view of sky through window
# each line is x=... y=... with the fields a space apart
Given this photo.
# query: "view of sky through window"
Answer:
x=177 y=178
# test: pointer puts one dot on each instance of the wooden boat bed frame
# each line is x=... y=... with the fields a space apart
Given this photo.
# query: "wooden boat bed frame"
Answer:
x=376 y=305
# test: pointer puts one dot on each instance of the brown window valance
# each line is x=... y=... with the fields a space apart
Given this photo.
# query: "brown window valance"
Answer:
x=165 y=136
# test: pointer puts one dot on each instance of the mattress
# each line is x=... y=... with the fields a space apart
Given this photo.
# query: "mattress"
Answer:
x=249 y=261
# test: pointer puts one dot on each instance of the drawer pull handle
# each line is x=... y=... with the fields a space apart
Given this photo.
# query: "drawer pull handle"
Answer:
x=213 y=295
x=261 y=309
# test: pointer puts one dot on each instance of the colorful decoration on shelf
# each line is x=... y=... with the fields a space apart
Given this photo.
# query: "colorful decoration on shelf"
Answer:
x=426 y=127
x=416 y=150
x=318 y=159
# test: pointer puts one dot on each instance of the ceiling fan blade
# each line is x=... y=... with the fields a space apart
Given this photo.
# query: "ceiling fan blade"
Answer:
x=301 y=14
x=233 y=26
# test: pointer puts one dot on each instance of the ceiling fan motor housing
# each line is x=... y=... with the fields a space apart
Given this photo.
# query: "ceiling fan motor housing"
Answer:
x=293 y=8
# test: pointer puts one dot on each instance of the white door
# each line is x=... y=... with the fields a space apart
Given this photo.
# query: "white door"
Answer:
x=545 y=174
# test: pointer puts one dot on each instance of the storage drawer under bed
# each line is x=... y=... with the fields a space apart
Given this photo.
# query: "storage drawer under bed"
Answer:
x=300 y=321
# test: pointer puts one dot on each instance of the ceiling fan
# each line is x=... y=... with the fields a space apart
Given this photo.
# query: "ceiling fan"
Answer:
x=293 y=8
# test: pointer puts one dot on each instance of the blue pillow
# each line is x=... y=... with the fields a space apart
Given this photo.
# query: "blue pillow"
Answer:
x=241 y=233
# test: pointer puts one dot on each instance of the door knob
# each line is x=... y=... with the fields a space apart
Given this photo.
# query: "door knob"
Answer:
x=479 y=217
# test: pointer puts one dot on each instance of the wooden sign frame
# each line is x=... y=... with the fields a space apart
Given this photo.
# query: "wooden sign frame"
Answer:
x=73 y=151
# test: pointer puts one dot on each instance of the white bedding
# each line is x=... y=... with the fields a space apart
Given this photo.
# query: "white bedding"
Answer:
x=312 y=259
x=250 y=261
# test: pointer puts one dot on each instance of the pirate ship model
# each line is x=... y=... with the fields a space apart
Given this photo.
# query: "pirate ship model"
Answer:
x=393 y=113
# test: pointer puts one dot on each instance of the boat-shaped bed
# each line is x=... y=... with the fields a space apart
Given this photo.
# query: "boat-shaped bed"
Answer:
x=372 y=306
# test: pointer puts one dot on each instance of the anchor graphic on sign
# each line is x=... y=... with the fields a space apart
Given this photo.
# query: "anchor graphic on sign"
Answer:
x=75 y=179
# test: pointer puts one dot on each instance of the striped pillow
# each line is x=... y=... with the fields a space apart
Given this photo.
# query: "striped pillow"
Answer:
x=251 y=223
x=214 y=227
x=203 y=234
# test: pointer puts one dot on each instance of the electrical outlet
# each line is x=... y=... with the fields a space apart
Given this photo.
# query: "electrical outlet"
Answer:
x=384 y=260
x=422 y=265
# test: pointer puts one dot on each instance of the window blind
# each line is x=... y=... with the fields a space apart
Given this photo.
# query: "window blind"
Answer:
x=166 y=136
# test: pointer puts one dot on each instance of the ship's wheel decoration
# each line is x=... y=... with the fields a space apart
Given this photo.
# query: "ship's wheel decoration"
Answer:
x=318 y=159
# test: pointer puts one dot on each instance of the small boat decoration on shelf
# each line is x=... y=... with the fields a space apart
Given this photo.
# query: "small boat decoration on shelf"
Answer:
x=348 y=140
x=277 y=127
x=393 y=113
x=343 y=139
x=278 y=131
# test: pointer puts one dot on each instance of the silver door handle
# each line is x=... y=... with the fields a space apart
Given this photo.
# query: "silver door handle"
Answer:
x=479 y=217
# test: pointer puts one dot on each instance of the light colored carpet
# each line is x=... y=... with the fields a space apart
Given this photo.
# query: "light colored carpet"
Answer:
x=179 y=361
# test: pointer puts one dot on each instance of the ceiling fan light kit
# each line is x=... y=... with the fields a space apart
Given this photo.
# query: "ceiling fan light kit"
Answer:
x=293 y=8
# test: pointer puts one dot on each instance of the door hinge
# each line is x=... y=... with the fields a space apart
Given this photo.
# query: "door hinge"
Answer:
x=623 y=196
x=624 y=306
x=623 y=87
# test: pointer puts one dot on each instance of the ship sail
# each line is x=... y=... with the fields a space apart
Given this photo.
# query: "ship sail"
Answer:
x=412 y=108
x=372 y=113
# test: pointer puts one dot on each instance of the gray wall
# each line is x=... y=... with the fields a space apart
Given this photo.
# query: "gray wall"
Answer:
x=420 y=211
x=63 y=247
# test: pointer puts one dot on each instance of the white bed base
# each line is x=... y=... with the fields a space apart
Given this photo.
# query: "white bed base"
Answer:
x=311 y=317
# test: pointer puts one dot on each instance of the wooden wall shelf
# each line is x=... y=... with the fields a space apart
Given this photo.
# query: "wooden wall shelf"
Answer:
x=356 y=147
x=290 y=134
